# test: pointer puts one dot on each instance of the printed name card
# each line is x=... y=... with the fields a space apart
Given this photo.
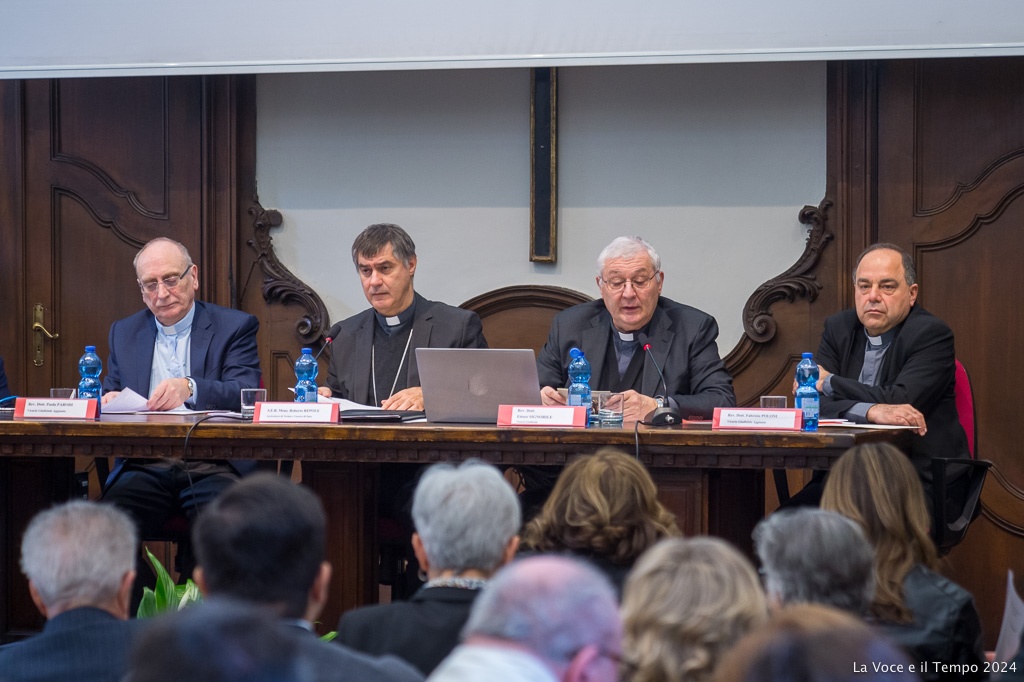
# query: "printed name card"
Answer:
x=540 y=415
x=55 y=408
x=756 y=419
x=308 y=413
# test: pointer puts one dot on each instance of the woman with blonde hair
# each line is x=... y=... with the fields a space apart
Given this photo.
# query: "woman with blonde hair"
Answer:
x=685 y=603
x=932 y=617
x=604 y=507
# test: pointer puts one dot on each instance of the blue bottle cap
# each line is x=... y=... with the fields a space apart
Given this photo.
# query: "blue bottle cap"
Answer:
x=307 y=351
x=575 y=353
x=90 y=349
x=808 y=356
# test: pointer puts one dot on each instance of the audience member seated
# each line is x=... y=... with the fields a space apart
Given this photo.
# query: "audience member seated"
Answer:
x=685 y=603
x=79 y=558
x=540 y=619
x=263 y=541
x=812 y=556
x=815 y=643
x=933 y=618
x=221 y=640
x=467 y=519
x=604 y=507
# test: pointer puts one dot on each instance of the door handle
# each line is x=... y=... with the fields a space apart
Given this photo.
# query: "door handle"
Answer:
x=39 y=331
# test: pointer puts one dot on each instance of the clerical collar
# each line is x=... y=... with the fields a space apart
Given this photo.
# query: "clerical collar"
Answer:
x=394 y=324
x=882 y=340
x=182 y=325
x=626 y=342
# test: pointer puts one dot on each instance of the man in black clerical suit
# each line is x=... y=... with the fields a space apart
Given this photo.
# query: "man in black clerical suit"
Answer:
x=890 y=361
x=373 y=354
x=681 y=338
x=79 y=558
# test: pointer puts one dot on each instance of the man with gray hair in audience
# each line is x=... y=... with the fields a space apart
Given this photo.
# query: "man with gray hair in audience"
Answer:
x=79 y=558
x=540 y=619
x=467 y=521
x=815 y=556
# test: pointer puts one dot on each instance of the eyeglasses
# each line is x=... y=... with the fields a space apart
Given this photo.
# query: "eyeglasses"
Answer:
x=168 y=282
x=638 y=283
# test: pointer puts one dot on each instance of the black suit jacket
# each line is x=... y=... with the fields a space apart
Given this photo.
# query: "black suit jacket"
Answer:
x=436 y=325
x=81 y=644
x=4 y=390
x=682 y=341
x=919 y=368
x=422 y=631
x=329 y=662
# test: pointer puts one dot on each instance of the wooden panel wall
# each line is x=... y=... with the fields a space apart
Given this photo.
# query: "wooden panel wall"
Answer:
x=931 y=157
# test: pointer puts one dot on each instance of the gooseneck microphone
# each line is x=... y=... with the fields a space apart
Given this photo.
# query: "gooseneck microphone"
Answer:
x=659 y=416
x=328 y=340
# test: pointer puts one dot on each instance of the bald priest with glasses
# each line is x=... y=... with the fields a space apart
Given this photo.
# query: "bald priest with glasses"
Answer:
x=613 y=330
x=178 y=352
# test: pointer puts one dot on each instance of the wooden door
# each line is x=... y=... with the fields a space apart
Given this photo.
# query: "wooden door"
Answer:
x=949 y=186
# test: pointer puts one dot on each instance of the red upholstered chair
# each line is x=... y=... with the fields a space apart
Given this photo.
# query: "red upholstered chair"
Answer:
x=965 y=406
x=957 y=483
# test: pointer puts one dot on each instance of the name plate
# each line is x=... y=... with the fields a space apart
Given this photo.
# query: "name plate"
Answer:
x=541 y=415
x=55 y=408
x=307 y=413
x=756 y=419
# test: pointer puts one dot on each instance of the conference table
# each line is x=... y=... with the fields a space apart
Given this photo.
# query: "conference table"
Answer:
x=712 y=480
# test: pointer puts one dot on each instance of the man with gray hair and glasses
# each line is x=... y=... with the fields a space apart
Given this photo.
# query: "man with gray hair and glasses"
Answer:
x=616 y=332
x=540 y=619
x=79 y=559
x=467 y=522
x=813 y=556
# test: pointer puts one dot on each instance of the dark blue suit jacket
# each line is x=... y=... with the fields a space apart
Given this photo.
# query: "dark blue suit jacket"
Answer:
x=223 y=358
x=4 y=390
x=81 y=644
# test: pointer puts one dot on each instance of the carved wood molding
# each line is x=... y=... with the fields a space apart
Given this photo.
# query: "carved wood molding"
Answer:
x=518 y=296
x=799 y=281
x=279 y=284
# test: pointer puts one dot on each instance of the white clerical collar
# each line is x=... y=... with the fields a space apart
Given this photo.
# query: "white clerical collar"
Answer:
x=625 y=336
x=182 y=325
x=880 y=341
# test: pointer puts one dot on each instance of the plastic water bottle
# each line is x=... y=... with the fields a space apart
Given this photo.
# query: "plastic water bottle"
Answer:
x=305 y=372
x=89 y=367
x=579 y=381
x=807 y=398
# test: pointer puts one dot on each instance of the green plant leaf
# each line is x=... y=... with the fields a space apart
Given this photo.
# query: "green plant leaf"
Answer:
x=189 y=594
x=329 y=637
x=166 y=595
x=147 y=607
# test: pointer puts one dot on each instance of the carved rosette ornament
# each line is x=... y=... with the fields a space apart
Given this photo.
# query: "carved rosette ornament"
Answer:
x=279 y=284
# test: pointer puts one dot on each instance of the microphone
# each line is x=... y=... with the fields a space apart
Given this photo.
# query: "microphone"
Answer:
x=659 y=416
x=328 y=340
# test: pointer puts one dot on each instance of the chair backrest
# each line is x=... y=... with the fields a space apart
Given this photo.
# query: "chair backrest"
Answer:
x=956 y=499
x=964 y=396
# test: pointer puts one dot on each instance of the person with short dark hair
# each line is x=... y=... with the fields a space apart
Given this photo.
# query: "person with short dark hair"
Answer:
x=812 y=556
x=79 y=559
x=541 y=619
x=682 y=339
x=374 y=361
x=467 y=518
x=219 y=640
x=263 y=541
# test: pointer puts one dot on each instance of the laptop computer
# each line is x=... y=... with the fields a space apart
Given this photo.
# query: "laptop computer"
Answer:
x=466 y=385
